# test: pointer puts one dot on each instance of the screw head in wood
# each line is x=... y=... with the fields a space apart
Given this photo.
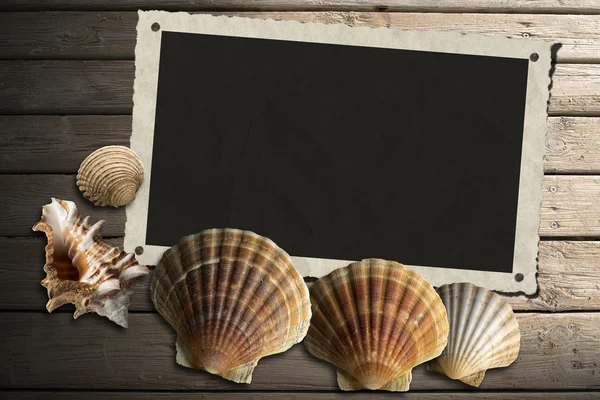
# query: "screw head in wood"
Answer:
x=534 y=57
x=525 y=35
x=554 y=225
x=519 y=277
x=139 y=250
x=552 y=189
x=155 y=27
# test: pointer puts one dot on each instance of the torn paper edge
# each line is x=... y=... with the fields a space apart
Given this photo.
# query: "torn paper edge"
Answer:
x=147 y=57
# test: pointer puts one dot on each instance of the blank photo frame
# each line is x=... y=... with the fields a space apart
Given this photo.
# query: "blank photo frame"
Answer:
x=342 y=143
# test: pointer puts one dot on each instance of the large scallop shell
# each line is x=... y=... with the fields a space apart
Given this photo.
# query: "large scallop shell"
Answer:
x=83 y=270
x=111 y=176
x=233 y=297
x=375 y=320
x=484 y=333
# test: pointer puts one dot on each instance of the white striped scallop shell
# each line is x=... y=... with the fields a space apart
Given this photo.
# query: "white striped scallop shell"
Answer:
x=484 y=333
x=111 y=176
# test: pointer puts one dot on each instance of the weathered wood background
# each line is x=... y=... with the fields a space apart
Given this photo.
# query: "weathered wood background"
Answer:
x=66 y=76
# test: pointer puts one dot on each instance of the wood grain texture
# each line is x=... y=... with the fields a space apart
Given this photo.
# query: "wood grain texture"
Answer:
x=576 y=33
x=569 y=278
x=570 y=206
x=557 y=351
x=572 y=145
x=64 y=35
x=515 y=6
x=575 y=90
x=22 y=198
x=42 y=352
x=65 y=395
x=55 y=144
x=66 y=87
x=112 y=35
x=575 y=206
x=106 y=87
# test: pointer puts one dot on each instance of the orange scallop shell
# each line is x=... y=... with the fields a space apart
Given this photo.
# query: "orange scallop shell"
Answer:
x=375 y=320
x=233 y=297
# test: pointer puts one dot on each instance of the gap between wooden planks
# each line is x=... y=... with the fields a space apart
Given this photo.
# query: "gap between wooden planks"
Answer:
x=106 y=87
x=480 y=395
x=573 y=204
x=111 y=35
x=58 y=144
x=513 y=6
x=39 y=350
x=569 y=278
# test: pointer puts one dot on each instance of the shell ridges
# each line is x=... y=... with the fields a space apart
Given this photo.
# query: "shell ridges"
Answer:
x=484 y=333
x=111 y=176
x=233 y=297
x=375 y=320
x=83 y=270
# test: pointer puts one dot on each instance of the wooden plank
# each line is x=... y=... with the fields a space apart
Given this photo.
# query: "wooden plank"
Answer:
x=576 y=33
x=572 y=145
x=575 y=90
x=569 y=274
x=55 y=144
x=106 y=87
x=574 y=207
x=66 y=87
x=64 y=35
x=22 y=198
x=570 y=206
x=112 y=35
x=486 y=6
x=97 y=395
x=558 y=351
x=569 y=278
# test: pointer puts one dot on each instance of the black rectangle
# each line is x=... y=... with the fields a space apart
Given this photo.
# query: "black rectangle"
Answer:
x=339 y=152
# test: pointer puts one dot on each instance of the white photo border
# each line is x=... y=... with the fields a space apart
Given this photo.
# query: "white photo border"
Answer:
x=147 y=57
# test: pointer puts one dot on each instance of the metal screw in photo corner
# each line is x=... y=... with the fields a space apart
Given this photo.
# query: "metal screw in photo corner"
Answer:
x=554 y=225
x=519 y=277
x=139 y=250
x=534 y=57
x=155 y=27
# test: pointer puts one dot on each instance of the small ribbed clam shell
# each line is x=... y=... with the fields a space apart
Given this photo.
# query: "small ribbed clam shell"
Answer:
x=83 y=270
x=484 y=333
x=111 y=176
x=375 y=320
x=233 y=297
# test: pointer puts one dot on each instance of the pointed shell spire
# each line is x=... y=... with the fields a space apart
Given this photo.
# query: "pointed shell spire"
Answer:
x=111 y=176
x=83 y=270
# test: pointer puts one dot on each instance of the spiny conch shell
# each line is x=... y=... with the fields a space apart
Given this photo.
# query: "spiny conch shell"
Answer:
x=375 y=320
x=111 y=176
x=484 y=333
x=233 y=297
x=83 y=270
